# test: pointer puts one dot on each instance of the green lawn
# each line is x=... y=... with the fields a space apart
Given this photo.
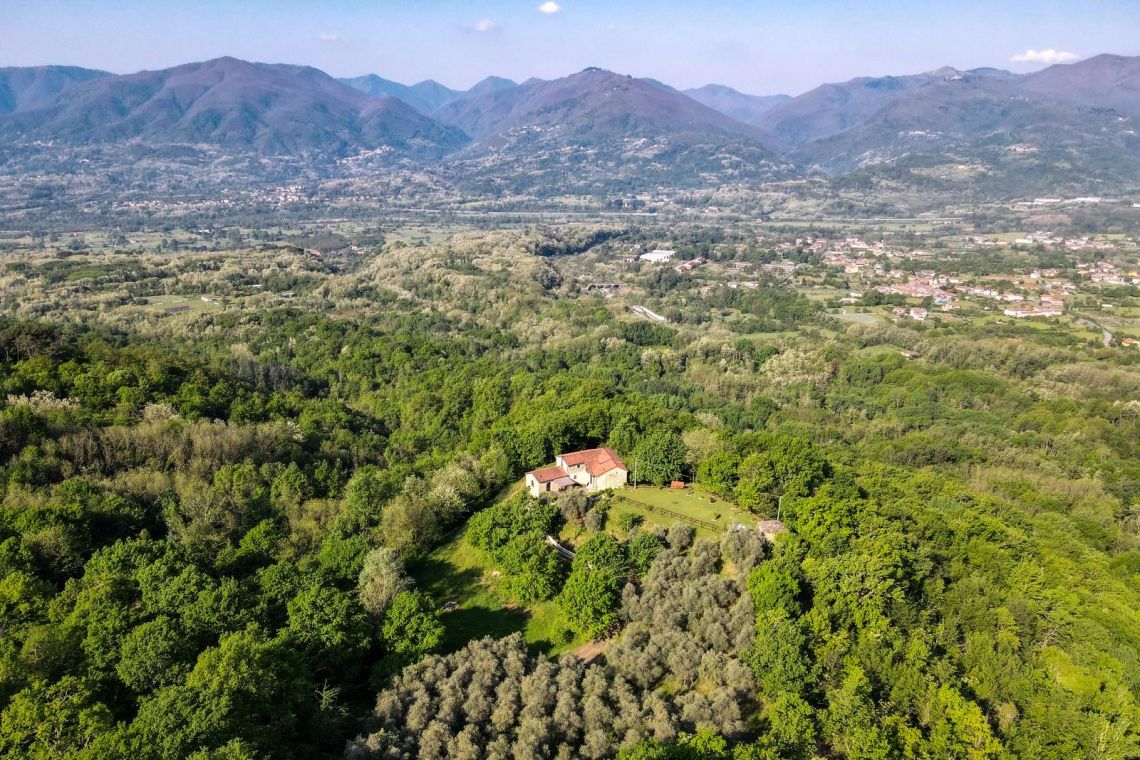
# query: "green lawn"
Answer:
x=456 y=572
x=688 y=502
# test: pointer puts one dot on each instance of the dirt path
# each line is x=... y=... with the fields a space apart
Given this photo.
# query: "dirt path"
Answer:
x=589 y=652
x=641 y=311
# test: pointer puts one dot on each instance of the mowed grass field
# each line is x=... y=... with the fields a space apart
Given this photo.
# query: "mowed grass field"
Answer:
x=457 y=572
x=649 y=503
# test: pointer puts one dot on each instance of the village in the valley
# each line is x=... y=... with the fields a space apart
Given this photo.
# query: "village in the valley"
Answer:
x=930 y=278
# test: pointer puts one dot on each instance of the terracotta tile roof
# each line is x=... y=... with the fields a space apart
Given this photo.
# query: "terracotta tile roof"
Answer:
x=597 y=461
x=547 y=474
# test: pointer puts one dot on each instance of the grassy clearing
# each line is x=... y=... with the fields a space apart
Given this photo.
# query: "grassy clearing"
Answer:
x=858 y=317
x=456 y=572
x=421 y=234
x=688 y=502
x=822 y=294
x=196 y=304
x=883 y=349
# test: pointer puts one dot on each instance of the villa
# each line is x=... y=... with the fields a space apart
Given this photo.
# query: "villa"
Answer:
x=592 y=469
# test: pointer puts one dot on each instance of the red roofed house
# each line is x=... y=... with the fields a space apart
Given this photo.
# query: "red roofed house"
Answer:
x=593 y=469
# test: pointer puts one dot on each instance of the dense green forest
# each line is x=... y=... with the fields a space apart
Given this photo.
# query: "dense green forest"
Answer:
x=208 y=533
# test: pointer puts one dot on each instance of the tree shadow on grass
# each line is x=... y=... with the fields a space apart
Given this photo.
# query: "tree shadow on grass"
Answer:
x=469 y=623
x=448 y=585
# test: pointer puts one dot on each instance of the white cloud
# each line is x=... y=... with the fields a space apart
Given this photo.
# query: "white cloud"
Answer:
x=486 y=25
x=549 y=7
x=328 y=37
x=1047 y=57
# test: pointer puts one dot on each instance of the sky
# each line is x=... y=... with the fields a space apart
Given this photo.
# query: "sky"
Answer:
x=759 y=47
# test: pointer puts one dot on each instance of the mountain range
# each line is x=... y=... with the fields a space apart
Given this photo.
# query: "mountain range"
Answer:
x=1069 y=126
x=606 y=129
x=425 y=96
x=267 y=108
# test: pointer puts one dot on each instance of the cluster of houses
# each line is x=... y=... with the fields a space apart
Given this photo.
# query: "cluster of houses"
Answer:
x=1038 y=293
x=924 y=284
x=1107 y=273
x=848 y=246
x=782 y=268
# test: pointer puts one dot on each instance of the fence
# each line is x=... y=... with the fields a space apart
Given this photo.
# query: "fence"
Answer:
x=686 y=518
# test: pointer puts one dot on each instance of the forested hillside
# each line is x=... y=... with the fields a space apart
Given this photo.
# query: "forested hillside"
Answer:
x=217 y=521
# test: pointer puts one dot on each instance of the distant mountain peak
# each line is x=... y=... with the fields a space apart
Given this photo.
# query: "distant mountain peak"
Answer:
x=589 y=104
x=1103 y=81
x=735 y=104
x=945 y=72
x=488 y=85
x=496 y=81
x=721 y=88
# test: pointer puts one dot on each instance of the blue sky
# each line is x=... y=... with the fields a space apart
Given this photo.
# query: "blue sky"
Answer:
x=759 y=47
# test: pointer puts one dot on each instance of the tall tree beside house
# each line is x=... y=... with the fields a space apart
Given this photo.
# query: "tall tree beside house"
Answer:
x=623 y=436
x=659 y=457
